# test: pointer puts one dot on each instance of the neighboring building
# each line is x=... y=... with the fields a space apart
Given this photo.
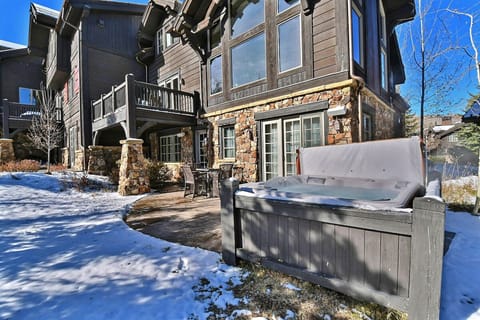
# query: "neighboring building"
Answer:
x=431 y=121
x=443 y=144
x=473 y=113
x=90 y=49
x=21 y=71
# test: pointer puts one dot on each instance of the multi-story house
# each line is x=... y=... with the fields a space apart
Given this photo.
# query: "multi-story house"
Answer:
x=274 y=76
x=90 y=48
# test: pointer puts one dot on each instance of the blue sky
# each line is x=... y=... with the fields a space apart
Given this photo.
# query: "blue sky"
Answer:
x=14 y=16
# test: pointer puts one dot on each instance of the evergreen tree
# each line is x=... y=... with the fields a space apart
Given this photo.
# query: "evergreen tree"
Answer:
x=469 y=137
x=411 y=124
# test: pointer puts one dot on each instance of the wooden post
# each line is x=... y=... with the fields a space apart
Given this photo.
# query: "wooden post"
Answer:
x=102 y=106
x=428 y=230
x=131 y=106
x=230 y=226
x=6 y=114
x=477 y=199
x=114 y=101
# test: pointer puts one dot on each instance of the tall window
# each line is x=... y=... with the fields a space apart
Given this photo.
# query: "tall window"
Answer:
x=170 y=148
x=169 y=98
x=216 y=77
x=201 y=147
x=289 y=44
x=245 y=15
x=249 y=61
x=281 y=138
x=383 y=47
x=357 y=35
x=26 y=96
x=227 y=135
x=164 y=40
x=367 y=127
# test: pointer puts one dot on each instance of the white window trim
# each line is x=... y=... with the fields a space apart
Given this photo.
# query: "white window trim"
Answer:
x=383 y=48
x=176 y=142
x=222 y=143
x=278 y=122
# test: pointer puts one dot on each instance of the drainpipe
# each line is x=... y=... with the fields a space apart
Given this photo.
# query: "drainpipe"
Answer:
x=145 y=66
x=360 y=80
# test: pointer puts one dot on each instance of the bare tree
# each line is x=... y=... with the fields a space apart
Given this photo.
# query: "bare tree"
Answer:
x=432 y=48
x=46 y=133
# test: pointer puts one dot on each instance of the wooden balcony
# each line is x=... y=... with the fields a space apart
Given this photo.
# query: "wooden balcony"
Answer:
x=135 y=103
x=17 y=117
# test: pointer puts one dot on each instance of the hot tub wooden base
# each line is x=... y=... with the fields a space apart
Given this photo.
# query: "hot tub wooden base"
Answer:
x=391 y=258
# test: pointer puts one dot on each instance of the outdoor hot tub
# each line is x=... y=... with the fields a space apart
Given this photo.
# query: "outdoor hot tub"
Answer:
x=355 y=220
x=341 y=191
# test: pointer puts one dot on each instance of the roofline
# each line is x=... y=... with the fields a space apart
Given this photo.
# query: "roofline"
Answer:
x=13 y=53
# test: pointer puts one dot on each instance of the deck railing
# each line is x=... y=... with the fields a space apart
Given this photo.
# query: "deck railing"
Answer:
x=19 y=110
x=145 y=95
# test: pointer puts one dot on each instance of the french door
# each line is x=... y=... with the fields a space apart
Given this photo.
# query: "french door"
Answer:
x=282 y=137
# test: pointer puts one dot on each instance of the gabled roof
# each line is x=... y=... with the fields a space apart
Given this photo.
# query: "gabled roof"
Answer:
x=13 y=53
x=472 y=114
x=72 y=11
x=7 y=45
x=42 y=19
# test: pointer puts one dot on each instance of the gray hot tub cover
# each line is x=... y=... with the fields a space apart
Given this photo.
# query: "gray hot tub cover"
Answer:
x=395 y=159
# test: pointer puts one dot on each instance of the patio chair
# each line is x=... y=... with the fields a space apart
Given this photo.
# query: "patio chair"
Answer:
x=196 y=181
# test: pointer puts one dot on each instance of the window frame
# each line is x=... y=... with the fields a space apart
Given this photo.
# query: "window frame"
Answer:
x=31 y=93
x=164 y=40
x=175 y=144
x=383 y=39
x=367 y=130
x=358 y=9
x=222 y=137
x=210 y=82
x=299 y=16
x=236 y=45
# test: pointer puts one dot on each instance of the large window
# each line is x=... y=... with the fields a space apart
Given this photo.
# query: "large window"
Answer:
x=170 y=148
x=281 y=138
x=289 y=44
x=216 y=80
x=249 y=61
x=245 y=15
x=227 y=136
x=357 y=35
x=26 y=96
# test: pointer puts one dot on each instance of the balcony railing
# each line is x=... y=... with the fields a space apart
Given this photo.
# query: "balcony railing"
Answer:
x=136 y=94
x=14 y=114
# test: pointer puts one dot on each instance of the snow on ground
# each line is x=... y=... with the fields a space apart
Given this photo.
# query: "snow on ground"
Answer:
x=68 y=254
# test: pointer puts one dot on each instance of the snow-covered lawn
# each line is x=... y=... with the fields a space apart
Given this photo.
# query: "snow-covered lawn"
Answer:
x=68 y=254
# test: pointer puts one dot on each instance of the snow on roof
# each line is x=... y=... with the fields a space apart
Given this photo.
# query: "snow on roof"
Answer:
x=438 y=129
x=46 y=10
x=473 y=112
x=10 y=45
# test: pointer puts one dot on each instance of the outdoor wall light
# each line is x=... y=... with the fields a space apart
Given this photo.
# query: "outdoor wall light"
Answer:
x=181 y=134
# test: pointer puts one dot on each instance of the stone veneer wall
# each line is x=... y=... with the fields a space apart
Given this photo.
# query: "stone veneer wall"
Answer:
x=64 y=155
x=79 y=157
x=6 y=151
x=133 y=172
x=340 y=128
x=102 y=160
x=186 y=145
x=384 y=117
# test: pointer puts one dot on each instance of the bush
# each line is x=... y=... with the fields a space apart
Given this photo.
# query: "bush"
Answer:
x=158 y=173
x=57 y=168
x=20 y=166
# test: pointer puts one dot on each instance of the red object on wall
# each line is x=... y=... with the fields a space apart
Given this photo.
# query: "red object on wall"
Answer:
x=65 y=92
x=76 y=80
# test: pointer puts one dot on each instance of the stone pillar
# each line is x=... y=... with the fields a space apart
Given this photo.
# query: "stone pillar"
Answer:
x=133 y=172
x=79 y=158
x=65 y=157
x=6 y=151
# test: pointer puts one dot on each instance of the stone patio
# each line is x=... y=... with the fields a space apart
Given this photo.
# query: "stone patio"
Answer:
x=170 y=216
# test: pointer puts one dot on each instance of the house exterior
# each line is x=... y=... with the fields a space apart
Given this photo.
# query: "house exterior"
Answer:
x=275 y=76
x=90 y=49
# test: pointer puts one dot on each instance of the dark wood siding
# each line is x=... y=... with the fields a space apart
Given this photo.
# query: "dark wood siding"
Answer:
x=325 y=59
x=15 y=72
x=179 y=59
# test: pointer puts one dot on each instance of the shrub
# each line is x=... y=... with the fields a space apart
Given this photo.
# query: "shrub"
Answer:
x=57 y=168
x=158 y=173
x=20 y=166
